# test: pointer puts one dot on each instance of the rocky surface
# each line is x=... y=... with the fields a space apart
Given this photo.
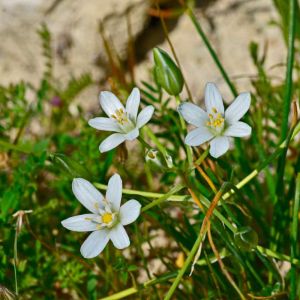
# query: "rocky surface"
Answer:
x=74 y=25
x=229 y=24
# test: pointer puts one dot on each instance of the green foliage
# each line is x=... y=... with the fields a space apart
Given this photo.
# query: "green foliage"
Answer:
x=252 y=230
x=46 y=39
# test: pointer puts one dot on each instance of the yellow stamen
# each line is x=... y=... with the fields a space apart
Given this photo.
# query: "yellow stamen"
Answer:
x=120 y=116
x=215 y=119
x=107 y=218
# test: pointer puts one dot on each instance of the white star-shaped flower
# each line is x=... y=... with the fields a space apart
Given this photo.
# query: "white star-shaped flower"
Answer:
x=126 y=122
x=106 y=220
x=214 y=125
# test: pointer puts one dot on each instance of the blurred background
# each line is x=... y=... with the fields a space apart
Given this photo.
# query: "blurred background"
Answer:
x=80 y=29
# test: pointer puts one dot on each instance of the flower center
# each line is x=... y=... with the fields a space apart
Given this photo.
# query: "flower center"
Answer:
x=216 y=120
x=120 y=116
x=107 y=217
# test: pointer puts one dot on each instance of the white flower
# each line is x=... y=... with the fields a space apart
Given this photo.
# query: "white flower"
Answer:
x=107 y=218
x=126 y=122
x=215 y=125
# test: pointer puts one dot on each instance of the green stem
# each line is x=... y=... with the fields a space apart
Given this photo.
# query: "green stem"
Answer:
x=280 y=201
x=155 y=140
x=294 y=237
x=280 y=256
x=201 y=158
x=189 y=151
x=134 y=290
x=163 y=198
x=211 y=51
x=176 y=198
x=289 y=70
x=16 y=260
x=144 y=143
x=184 y=268
x=265 y=163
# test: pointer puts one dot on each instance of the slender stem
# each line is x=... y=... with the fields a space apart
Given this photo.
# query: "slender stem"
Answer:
x=254 y=173
x=279 y=206
x=144 y=143
x=176 y=198
x=196 y=246
x=184 y=268
x=16 y=260
x=221 y=264
x=201 y=158
x=280 y=256
x=211 y=50
x=189 y=151
x=155 y=140
x=289 y=70
x=163 y=198
x=294 y=238
x=134 y=290
x=206 y=178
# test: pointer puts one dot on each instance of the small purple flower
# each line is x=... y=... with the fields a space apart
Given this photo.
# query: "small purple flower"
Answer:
x=56 y=101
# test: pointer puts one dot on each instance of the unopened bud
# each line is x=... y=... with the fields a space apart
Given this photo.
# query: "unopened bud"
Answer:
x=157 y=160
x=167 y=74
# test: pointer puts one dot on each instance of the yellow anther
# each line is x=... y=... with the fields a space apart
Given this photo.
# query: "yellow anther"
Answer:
x=107 y=218
x=151 y=155
x=120 y=116
x=216 y=119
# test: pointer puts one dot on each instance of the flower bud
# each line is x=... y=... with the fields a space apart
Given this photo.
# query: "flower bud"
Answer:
x=167 y=73
x=157 y=161
x=153 y=159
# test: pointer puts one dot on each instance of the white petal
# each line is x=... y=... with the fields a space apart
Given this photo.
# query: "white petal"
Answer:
x=114 y=192
x=110 y=103
x=238 y=108
x=198 y=136
x=144 y=116
x=119 y=237
x=130 y=211
x=192 y=113
x=213 y=98
x=95 y=243
x=218 y=146
x=238 y=129
x=133 y=134
x=106 y=124
x=87 y=194
x=80 y=223
x=132 y=104
x=111 y=142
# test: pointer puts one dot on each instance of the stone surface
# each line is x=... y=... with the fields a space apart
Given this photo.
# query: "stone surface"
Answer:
x=230 y=26
x=74 y=25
